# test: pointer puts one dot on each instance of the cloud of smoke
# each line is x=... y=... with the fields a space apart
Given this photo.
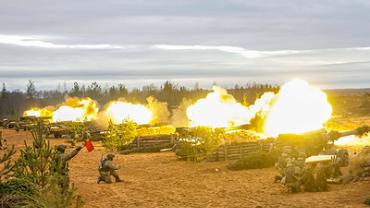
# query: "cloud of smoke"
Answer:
x=179 y=117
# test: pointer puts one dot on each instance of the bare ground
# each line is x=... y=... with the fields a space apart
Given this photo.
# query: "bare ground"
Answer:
x=160 y=180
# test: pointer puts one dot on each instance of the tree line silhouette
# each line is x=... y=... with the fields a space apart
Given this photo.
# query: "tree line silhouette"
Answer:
x=14 y=103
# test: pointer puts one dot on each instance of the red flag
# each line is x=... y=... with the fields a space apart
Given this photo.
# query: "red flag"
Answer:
x=89 y=145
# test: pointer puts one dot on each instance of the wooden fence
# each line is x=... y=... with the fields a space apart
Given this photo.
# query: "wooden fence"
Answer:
x=234 y=151
x=153 y=143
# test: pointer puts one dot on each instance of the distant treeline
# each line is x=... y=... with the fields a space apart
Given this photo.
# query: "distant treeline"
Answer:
x=350 y=102
x=13 y=103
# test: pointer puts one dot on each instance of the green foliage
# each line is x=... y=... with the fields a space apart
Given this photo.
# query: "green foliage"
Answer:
x=23 y=193
x=367 y=201
x=31 y=90
x=52 y=196
x=253 y=161
x=35 y=161
x=17 y=186
x=37 y=184
x=197 y=143
x=120 y=135
x=77 y=127
x=15 y=192
x=6 y=163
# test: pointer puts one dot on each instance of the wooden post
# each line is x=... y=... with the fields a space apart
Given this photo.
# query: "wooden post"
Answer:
x=138 y=142
x=240 y=151
x=225 y=152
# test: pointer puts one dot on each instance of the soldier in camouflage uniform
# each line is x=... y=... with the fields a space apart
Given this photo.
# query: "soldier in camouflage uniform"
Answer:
x=108 y=169
x=60 y=164
x=308 y=179
x=320 y=177
x=292 y=179
x=300 y=162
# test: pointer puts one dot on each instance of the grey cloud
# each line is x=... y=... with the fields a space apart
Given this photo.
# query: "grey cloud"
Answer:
x=240 y=41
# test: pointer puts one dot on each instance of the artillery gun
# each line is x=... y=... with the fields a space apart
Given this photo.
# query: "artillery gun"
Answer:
x=315 y=142
x=8 y=123
x=28 y=122
x=62 y=128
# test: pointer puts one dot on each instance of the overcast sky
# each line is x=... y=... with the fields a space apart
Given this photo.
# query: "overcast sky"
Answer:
x=326 y=42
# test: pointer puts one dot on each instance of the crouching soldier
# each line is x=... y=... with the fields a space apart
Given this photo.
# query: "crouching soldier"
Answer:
x=292 y=177
x=108 y=169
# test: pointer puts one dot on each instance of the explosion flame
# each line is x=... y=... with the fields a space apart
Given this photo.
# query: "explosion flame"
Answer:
x=38 y=112
x=353 y=141
x=220 y=109
x=119 y=111
x=297 y=108
x=76 y=109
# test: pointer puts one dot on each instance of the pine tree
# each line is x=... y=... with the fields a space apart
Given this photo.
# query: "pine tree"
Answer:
x=31 y=90
x=6 y=164
x=4 y=92
x=35 y=161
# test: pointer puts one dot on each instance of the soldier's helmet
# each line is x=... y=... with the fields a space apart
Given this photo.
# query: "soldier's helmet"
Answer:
x=110 y=156
x=61 y=148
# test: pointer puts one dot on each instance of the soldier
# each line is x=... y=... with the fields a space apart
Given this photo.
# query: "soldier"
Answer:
x=341 y=160
x=291 y=178
x=108 y=169
x=343 y=156
x=60 y=164
x=301 y=160
x=308 y=180
x=321 y=176
x=281 y=165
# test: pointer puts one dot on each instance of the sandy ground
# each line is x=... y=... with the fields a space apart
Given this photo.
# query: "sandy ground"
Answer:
x=160 y=180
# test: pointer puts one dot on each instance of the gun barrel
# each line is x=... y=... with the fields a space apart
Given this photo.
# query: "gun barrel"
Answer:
x=348 y=133
x=359 y=131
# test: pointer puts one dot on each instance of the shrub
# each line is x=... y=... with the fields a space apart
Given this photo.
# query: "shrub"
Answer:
x=15 y=186
x=120 y=135
x=15 y=192
x=197 y=143
x=53 y=196
x=367 y=201
x=253 y=161
x=36 y=166
x=6 y=163
x=35 y=161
